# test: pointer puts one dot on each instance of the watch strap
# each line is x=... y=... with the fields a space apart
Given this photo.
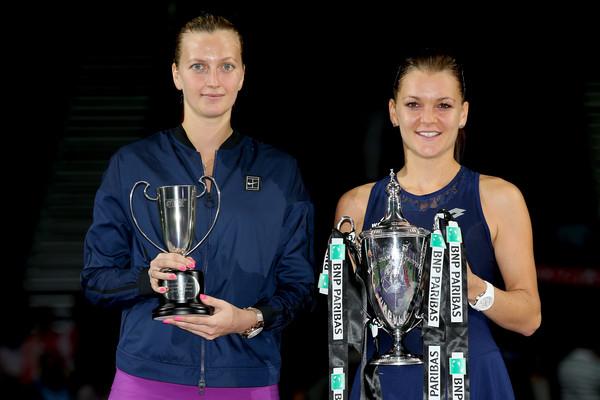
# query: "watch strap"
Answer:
x=258 y=327
x=485 y=300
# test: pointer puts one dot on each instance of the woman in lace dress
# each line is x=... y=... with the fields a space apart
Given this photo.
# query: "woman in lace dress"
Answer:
x=430 y=110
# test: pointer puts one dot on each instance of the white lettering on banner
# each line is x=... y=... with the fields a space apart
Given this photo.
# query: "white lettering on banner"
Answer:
x=456 y=288
x=434 y=373
x=337 y=306
x=435 y=285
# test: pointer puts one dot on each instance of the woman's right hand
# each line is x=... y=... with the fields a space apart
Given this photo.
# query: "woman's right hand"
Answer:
x=160 y=266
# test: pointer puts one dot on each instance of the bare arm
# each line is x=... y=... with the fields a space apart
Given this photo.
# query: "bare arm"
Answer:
x=353 y=204
x=518 y=307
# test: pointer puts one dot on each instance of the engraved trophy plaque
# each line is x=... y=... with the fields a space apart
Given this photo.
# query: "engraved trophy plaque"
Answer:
x=392 y=255
x=177 y=214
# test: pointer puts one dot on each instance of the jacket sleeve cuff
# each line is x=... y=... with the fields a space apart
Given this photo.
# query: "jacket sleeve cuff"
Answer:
x=268 y=315
x=144 y=287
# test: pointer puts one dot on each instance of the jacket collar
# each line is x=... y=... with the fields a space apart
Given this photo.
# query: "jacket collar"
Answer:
x=229 y=144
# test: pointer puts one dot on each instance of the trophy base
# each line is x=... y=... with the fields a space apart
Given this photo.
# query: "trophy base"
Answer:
x=172 y=310
x=397 y=359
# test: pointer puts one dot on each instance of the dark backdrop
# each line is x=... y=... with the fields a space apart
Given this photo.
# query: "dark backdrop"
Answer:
x=317 y=86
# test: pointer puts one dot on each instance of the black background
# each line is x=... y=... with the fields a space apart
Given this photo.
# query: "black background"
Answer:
x=317 y=85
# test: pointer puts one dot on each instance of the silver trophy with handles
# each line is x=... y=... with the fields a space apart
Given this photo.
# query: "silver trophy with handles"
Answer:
x=177 y=214
x=391 y=258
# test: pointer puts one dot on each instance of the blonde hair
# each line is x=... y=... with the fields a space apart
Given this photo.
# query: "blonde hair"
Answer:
x=204 y=23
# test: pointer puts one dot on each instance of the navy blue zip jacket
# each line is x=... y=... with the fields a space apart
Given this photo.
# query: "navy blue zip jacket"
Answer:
x=260 y=253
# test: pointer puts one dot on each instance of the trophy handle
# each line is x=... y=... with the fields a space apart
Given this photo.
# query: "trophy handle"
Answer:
x=218 y=208
x=353 y=247
x=418 y=321
x=344 y=219
x=133 y=216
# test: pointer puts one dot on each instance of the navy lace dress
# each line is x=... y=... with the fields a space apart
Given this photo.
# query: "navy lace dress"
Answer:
x=489 y=378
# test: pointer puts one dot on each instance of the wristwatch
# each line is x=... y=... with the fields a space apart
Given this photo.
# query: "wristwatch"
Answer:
x=255 y=329
x=485 y=300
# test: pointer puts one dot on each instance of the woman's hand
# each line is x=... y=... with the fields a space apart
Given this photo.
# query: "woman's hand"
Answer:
x=226 y=319
x=167 y=261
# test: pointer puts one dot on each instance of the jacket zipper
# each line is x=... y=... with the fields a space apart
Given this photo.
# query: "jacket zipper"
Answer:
x=209 y=197
x=202 y=382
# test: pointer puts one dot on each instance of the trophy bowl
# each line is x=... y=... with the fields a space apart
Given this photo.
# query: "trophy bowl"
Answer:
x=393 y=260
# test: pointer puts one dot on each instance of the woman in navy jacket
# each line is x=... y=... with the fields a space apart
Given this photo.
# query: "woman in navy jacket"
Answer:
x=259 y=254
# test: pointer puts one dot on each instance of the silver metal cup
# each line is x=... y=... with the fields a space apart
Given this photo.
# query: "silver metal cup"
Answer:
x=394 y=262
x=177 y=214
x=177 y=211
x=392 y=255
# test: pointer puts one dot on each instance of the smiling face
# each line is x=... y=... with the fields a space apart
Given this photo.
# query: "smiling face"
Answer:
x=429 y=109
x=210 y=73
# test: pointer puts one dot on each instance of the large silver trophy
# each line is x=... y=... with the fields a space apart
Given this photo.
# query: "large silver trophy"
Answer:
x=177 y=213
x=392 y=256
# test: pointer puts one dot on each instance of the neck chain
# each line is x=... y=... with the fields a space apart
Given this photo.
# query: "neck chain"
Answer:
x=206 y=164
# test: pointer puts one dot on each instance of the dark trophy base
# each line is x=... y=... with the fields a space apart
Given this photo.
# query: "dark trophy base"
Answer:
x=171 y=310
x=397 y=355
x=182 y=296
x=397 y=359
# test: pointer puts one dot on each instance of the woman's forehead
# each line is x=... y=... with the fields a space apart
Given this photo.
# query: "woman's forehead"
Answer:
x=218 y=43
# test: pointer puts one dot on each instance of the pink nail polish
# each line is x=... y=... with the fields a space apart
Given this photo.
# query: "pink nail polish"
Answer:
x=182 y=268
x=203 y=296
x=162 y=289
x=177 y=319
x=165 y=321
x=172 y=276
x=192 y=265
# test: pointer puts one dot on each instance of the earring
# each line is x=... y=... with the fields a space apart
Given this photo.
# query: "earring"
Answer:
x=461 y=126
x=394 y=125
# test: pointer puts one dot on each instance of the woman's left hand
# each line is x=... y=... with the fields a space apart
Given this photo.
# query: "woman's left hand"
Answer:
x=226 y=319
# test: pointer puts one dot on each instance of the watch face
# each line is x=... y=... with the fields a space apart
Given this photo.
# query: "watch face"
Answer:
x=485 y=302
x=254 y=332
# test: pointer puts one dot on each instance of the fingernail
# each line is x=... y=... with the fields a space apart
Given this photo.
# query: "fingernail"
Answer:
x=177 y=319
x=172 y=276
x=182 y=268
x=162 y=289
x=193 y=265
x=203 y=296
x=165 y=321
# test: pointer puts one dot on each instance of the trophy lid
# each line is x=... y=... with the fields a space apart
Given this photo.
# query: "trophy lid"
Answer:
x=393 y=223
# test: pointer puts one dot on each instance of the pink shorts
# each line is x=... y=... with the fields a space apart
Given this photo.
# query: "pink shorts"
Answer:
x=129 y=387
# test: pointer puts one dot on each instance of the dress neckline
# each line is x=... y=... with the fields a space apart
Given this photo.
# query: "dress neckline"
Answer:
x=432 y=200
